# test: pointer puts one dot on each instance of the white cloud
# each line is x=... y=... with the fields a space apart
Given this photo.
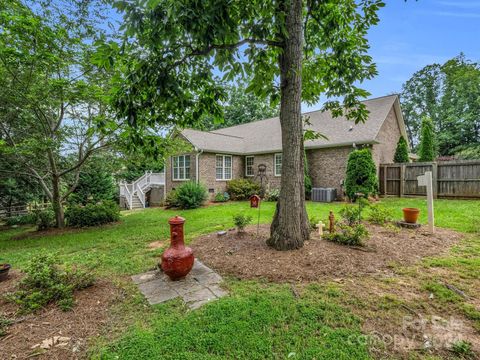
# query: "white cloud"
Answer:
x=461 y=4
x=456 y=14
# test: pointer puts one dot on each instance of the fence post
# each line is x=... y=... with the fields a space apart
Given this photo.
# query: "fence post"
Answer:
x=385 y=180
x=402 y=180
x=435 y=179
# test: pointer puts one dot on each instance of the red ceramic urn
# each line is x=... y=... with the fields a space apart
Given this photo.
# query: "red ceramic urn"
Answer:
x=177 y=260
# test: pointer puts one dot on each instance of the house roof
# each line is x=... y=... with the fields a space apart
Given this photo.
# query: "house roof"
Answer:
x=264 y=136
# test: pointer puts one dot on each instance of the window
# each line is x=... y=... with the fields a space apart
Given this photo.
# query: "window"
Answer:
x=223 y=167
x=181 y=167
x=278 y=164
x=249 y=171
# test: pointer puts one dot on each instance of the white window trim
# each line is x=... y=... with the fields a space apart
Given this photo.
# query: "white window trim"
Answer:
x=184 y=168
x=275 y=163
x=246 y=165
x=223 y=167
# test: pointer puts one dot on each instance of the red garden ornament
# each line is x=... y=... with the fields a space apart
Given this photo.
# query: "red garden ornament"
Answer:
x=177 y=260
x=254 y=201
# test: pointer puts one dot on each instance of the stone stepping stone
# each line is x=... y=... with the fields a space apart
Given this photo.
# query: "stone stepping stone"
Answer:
x=201 y=286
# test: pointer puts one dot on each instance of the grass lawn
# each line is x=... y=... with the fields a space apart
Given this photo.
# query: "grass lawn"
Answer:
x=258 y=320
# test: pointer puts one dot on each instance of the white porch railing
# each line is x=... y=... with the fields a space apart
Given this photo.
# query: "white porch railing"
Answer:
x=140 y=186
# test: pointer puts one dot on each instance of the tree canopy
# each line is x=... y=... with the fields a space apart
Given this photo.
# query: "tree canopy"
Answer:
x=448 y=94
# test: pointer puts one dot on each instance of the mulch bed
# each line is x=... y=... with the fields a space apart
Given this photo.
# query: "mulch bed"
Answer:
x=84 y=321
x=247 y=256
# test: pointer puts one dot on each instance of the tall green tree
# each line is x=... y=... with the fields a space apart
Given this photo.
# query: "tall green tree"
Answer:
x=52 y=99
x=288 y=50
x=427 y=147
x=448 y=94
x=401 y=153
x=240 y=107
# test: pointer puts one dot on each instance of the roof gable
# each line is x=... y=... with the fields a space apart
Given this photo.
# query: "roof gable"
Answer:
x=264 y=136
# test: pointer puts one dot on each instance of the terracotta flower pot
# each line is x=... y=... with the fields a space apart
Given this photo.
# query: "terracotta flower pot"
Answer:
x=4 y=269
x=177 y=260
x=410 y=215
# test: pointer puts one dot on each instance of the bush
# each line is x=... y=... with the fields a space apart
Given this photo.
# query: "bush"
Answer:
x=21 y=219
x=171 y=199
x=241 y=221
x=348 y=235
x=47 y=282
x=313 y=221
x=379 y=215
x=242 y=189
x=92 y=214
x=351 y=214
x=190 y=195
x=45 y=219
x=401 y=153
x=272 y=195
x=222 y=197
x=427 y=149
x=361 y=174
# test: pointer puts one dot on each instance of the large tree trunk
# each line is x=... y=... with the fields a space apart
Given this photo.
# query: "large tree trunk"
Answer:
x=57 y=202
x=290 y=226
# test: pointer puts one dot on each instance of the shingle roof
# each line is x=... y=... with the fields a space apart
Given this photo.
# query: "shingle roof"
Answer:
x=264 y=136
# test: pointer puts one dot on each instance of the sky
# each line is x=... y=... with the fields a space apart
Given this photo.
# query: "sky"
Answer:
x=412 y=34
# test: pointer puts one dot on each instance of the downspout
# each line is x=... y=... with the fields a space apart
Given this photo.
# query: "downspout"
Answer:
x=197 y=172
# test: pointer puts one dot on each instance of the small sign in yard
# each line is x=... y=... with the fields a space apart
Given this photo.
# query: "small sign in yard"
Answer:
x=426 y=180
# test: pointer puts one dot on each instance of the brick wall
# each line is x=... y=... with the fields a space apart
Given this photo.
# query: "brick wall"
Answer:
x=327 y=167
x=207 y=173
x=387 y=137
x=271 y=181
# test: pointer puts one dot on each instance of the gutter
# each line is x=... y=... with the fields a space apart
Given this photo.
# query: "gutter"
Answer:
x=197 y=172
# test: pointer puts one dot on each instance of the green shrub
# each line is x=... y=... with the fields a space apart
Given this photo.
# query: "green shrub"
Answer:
x=379 y=214
x=313 y=221
x=242 y=189
x=171 y=199
x=348 y=235
x=47 y=282
x=45 y=219
x=191 y=195
x=351 y=214
x=272 y=195
x=307 y=179
x=30 y=218
x=92 y=214
x=361 y=174
x=241 y=221
x=4 y=324
x=463 y=349
x=401 y=153
x=427 y=150
x=222 y=197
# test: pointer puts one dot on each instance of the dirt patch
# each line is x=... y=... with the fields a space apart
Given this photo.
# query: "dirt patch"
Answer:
x=71 y=329
x=155 y=245
x=247 y=256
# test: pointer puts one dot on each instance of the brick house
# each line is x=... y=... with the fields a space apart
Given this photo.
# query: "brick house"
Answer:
x=236 y=152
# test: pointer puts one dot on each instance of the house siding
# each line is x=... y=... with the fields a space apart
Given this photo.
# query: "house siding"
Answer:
x=327 y=167
x=388 y=137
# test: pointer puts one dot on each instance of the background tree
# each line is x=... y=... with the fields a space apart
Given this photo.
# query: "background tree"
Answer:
x=427 y=148
x=448 y=94
x=401 y=153
x=290 y=50
x=52 y=99
x=240 y=107
x=361 y=174
x=96 y=182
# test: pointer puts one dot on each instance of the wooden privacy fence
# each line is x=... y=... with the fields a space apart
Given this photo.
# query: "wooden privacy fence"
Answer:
x=451 y=179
